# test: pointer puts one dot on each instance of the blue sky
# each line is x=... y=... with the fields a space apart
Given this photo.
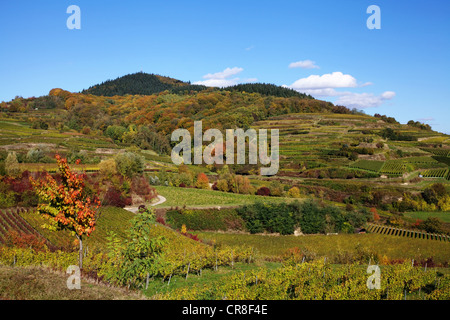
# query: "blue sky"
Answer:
x=320 y=47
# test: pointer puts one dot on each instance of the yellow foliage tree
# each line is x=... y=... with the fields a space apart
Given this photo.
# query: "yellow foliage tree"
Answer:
x=294 y=192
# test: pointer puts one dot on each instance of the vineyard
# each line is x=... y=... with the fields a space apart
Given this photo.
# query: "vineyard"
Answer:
x=320 y=281
x=381 y=229
x=436 y=173
x=11 y=220
x=182 y=254
x=424 y=162
x=394 y=168
x=435 y=168
x=109 y=219
x=437 y=152
x=374 y=166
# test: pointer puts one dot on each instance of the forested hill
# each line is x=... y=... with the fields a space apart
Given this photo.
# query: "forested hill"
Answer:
x=268 y=90
x=147 y=84
x=140 y=84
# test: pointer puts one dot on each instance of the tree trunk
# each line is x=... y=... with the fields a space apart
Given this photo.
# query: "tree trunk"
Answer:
x=80 y=258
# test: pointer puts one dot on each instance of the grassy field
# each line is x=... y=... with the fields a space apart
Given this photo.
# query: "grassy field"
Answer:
x=334 y=246
x=207 y=198
x=422 y=215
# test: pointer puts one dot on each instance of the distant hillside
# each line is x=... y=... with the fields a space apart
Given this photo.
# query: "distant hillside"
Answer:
x=147 y=84
x=267 y=89
x=140 y=84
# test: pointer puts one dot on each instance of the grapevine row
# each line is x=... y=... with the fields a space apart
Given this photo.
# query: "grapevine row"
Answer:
x=11 y=220
x=381 y=229
x=319 y=281
x=435 y=173
x=393 y=168
x=438 y=152
x=370 y=165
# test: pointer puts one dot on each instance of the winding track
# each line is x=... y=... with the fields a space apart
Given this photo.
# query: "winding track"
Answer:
x=161 y=199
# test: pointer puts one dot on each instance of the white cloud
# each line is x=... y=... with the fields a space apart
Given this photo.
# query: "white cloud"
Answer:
x=363 y=100
x=426 y=119
x=223 y=79
x=325 y=92
x=228 y=72
x=325 y=86
x=388 y=95
x=304 y=64
x=221 y=83
x=328 y=80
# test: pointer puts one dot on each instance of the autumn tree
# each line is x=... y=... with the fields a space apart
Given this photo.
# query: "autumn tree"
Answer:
x=294 y=192
x=243 y=185
x=376 y=216
x=108 y=168
x=65 y=204
x=129 y=164
x=202 y=181
x=12 y=167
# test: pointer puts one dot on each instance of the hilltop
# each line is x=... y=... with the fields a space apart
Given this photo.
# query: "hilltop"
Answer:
x=140 y=83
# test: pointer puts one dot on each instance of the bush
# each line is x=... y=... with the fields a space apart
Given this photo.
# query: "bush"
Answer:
x=243 y=185
x=86 y=131
x=35 y=155
x=294 y=192
x=431 y=225
x=263 y=191
x=434 y=193
x=141 y=187
x=21 y=240
x=202 y=181
x=129 y=164
x=108 y=168
x=115 y=132
x=7 y=199
x=161 y=220
x=222 y=185
x=276 y=189
x=12 y=165
x=115 y=198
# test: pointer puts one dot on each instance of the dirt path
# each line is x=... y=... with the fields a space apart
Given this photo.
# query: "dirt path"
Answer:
x=161 y=200
x=134 y=209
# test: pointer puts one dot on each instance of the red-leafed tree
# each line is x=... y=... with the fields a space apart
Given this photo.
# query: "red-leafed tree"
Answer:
x=202 y=181
x=65 y=204
x=376 y=216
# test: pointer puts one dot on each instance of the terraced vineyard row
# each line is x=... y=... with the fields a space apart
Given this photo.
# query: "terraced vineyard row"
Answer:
x=423 y=162
x=370 y=165
x=435 y=173
x=394 y=167
x=11 y=220
x=420 y=160
x=382 y=229
x=438 y=152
